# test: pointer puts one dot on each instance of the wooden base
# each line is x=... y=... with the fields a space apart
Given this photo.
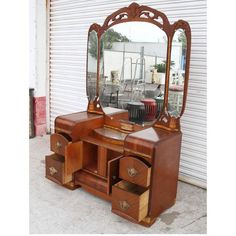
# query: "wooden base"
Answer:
x=71 y=185
x=95 y=192
x=147 y=221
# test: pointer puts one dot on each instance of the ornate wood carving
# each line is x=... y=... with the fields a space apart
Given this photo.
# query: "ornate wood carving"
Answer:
x=96 y=27
x=135 y=12
x=167 y=122
x=94 y=106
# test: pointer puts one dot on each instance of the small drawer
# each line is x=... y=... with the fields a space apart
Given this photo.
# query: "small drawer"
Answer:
x=130 y=200
x=135 y=171
x=55 y=168
x=58 y=143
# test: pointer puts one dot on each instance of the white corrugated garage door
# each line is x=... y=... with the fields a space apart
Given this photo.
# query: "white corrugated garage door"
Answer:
x=69 y=21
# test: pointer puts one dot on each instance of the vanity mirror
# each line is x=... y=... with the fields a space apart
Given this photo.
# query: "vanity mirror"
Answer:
x=129 y=55
x=126 y=147
x=177 y=74
x=92 y=60
x=142 y=65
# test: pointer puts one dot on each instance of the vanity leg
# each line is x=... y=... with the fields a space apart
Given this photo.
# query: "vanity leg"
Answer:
x=71 y=185
x=148 y=221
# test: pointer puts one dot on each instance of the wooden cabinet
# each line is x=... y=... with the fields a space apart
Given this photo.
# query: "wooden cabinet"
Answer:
x=129 y=160
x=138 y=174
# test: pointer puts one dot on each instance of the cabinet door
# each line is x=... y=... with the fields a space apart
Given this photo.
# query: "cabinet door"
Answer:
x=73 y=159
x=113 y=173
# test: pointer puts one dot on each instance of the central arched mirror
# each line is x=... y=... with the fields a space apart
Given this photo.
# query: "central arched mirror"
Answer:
x=131 y=57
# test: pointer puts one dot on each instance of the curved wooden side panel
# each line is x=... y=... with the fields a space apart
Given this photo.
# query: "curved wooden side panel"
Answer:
x=164 y=177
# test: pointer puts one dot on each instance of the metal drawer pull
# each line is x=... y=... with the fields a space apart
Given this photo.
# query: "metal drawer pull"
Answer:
x=52 y=170
x=132 y=172
x=124 y=205
x=58 y=145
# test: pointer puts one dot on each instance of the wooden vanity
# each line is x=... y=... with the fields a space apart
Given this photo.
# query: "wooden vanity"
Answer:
x=135 y=166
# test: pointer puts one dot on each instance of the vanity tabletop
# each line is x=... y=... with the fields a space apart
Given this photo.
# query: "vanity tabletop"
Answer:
x=150 y=134
x=79 y=116
x=110 y=134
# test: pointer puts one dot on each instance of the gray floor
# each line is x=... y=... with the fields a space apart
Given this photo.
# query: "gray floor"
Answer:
x=54 y=209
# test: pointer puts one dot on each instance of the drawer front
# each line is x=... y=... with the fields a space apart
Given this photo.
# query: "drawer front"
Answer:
x=55 y=168
x=58 y=143
x=130 y=202
x=135 y=171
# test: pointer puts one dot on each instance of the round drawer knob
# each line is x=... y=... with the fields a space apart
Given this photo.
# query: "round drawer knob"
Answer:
x=132 y=172
x=58 y=145
x=124 y=205
x=52 y=170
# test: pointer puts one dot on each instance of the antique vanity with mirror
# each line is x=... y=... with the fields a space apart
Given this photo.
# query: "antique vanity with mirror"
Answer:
x=126 y=147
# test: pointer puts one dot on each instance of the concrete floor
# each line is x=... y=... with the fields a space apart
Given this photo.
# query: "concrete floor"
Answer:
x=54 y=209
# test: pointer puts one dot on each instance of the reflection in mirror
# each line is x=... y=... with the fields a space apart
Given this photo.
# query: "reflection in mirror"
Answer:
x=92 y=57
x=177 y=73
x=132 y=67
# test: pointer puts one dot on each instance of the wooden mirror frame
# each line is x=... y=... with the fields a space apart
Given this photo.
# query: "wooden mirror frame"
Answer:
x=141 y=13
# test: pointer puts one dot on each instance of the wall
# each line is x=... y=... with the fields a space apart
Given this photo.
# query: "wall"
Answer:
x=32 y=28
x=38 y=53
x=38 y=62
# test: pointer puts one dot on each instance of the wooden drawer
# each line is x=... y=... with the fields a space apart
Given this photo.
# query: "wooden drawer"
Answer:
x=130 y=200
x=135 y=171
x=55 y=168
x=58 y=143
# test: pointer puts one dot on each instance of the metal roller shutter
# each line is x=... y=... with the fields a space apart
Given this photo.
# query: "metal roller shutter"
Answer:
x=69 y=21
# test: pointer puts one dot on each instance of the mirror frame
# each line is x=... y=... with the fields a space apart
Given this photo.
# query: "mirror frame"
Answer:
x=136 y=12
